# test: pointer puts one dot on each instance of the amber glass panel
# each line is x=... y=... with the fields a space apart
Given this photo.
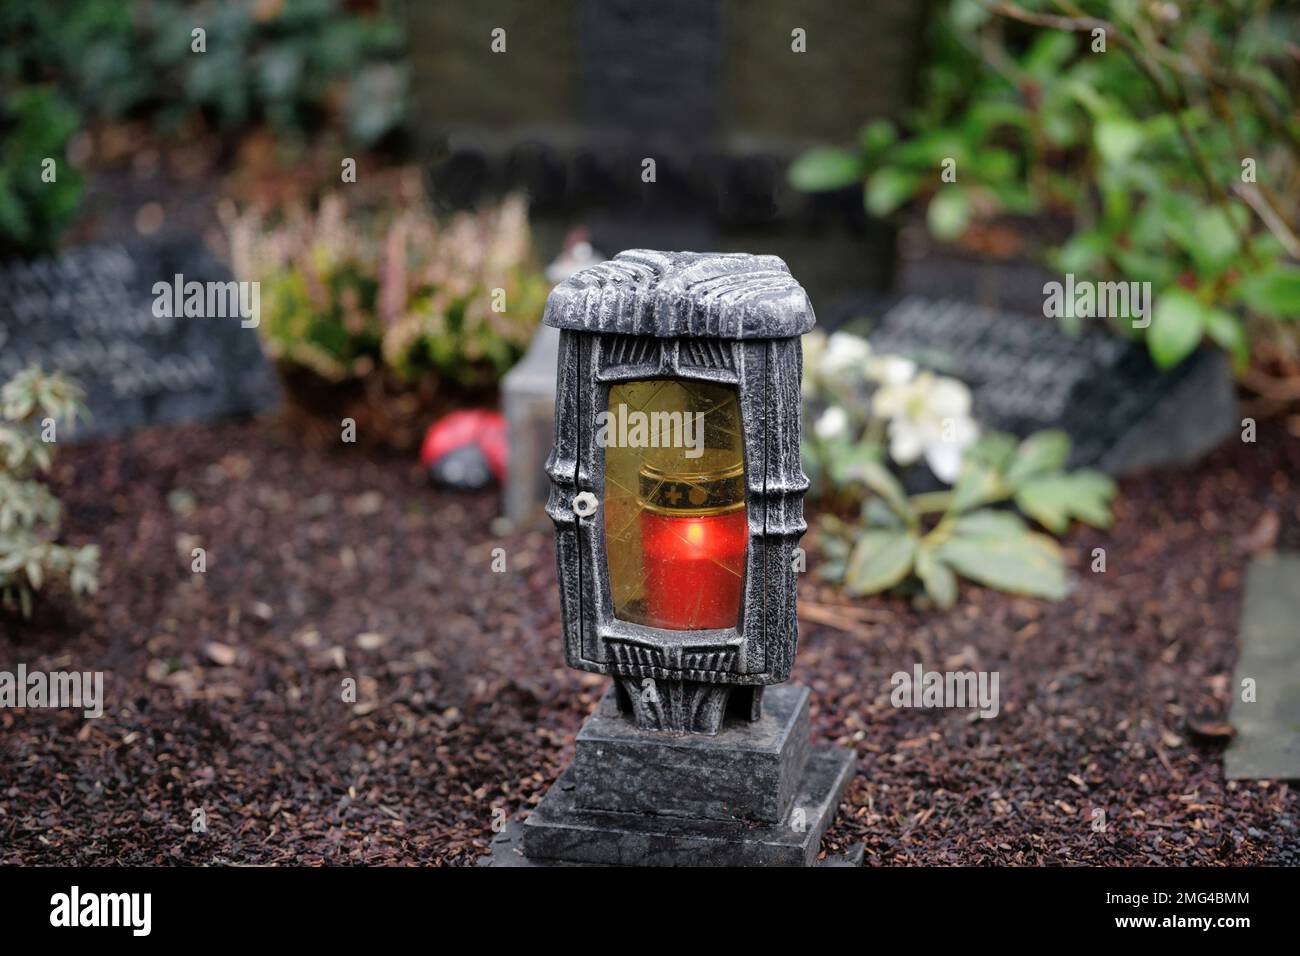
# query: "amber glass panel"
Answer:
x=674 y=503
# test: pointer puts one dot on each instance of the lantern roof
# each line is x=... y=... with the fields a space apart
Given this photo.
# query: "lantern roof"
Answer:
x=719 y=295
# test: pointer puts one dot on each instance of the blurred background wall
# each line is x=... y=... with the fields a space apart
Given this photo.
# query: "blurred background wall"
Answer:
x=714 y=92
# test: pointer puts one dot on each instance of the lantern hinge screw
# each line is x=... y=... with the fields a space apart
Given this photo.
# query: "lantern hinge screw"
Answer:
x=585 y=503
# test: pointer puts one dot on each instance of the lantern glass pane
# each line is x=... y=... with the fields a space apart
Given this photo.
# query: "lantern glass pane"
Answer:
x=675 y=526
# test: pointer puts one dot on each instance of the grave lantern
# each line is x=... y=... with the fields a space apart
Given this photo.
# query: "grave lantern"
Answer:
x=677 y=492
x=677 y=497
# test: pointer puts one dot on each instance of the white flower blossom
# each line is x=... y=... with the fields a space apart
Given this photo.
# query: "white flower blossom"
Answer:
x=845 y=358
x=891 y=369
x=929 y=416
x=831 y=423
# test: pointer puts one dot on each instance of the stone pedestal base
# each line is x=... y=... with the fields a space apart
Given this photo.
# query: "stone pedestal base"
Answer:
x=755 y=794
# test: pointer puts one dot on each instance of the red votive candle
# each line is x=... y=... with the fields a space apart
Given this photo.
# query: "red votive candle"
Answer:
x=693 y=538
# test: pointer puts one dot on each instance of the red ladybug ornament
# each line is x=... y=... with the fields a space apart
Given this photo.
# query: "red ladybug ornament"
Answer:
x=466 y=450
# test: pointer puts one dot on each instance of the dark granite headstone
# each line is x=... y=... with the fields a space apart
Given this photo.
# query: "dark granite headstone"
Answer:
x=1122 y=413
x=658 y=67
x=90 y=314
x=712 y=90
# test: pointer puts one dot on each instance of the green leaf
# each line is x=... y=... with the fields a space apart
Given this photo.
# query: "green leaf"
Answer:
x=1048 y=53
x=1177 y=215
x=990 y=523
x=1214 y=241
x=1146 y=230
x=832 y=532
x=978 y=484
x=821 y=170
x=1047 y=501
x=1093 y=492
x=994 y=449
x=830 y=569
x=15 y=226
x=1041 y=452
x=1118 y=138
x=1176 y=327
x=887 y=189
x=968 y=15
x=949 y=214
x=986 y=115
x=877 y=514
x=877 y=136
x=993 y=165
x=1088 y=97
x=846 y=460
x=928 y=150
x=1028 y=564
x=880 y=560
x=1054 y=500
x=1229 y=334
x=940 y=583
x=1082 y=252
x=1014 y=197
x=881 y=480
x=1274 y=292
x=1160 y=269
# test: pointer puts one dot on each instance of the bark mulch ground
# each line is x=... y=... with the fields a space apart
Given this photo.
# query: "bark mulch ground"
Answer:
x=225 y=689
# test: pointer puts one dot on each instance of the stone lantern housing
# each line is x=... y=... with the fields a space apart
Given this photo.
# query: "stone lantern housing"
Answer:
x=677 y=497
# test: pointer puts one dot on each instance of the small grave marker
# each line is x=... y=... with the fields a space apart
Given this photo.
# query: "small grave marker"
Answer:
x=1122 y=413
x=1266 y=711
x=89 y=313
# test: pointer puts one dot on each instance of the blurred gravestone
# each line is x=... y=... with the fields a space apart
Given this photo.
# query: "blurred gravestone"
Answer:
x=1122 y=413
x=90 y=313
x=720 y=94
x=528 y=402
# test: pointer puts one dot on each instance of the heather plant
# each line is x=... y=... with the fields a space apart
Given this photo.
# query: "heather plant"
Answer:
x=33 y=405
x=348 y=293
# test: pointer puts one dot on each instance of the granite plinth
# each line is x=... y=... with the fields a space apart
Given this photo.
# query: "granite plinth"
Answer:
x=559 y=829
x=508 y=850
x=748 y=772
x=756 y=794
